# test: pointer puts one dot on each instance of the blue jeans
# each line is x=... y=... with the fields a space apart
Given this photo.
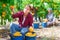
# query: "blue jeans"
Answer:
x=15 y=27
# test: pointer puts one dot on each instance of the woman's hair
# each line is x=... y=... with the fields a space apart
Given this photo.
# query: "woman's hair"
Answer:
x=29 y=6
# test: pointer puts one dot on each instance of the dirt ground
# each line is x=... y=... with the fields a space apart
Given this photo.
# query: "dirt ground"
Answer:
x=51 y=33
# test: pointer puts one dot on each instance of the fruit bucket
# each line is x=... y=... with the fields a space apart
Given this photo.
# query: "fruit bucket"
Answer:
x=17 y=38
x=30 y=38
x=36 y=25
x=44 y=24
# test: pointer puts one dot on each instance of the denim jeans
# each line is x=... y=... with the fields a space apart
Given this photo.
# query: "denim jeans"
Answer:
x=14 y=28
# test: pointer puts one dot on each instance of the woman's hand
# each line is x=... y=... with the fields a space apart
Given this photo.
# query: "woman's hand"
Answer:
x=12 y=9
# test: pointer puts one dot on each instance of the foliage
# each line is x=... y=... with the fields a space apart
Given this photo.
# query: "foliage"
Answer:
x=41 y=6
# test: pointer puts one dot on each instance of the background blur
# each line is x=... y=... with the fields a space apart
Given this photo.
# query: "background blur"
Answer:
x=40 y=5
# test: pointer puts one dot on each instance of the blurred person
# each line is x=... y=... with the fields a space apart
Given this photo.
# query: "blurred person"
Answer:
x=50 y=17
x=25 y=21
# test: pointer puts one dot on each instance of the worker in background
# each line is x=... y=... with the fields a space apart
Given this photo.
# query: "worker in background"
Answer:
x=50 y=17
x=25 y=21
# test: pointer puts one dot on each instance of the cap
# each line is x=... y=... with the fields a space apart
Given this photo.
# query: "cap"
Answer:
x=49 y=9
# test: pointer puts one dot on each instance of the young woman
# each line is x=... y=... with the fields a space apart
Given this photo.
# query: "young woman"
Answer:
x=25 y=21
